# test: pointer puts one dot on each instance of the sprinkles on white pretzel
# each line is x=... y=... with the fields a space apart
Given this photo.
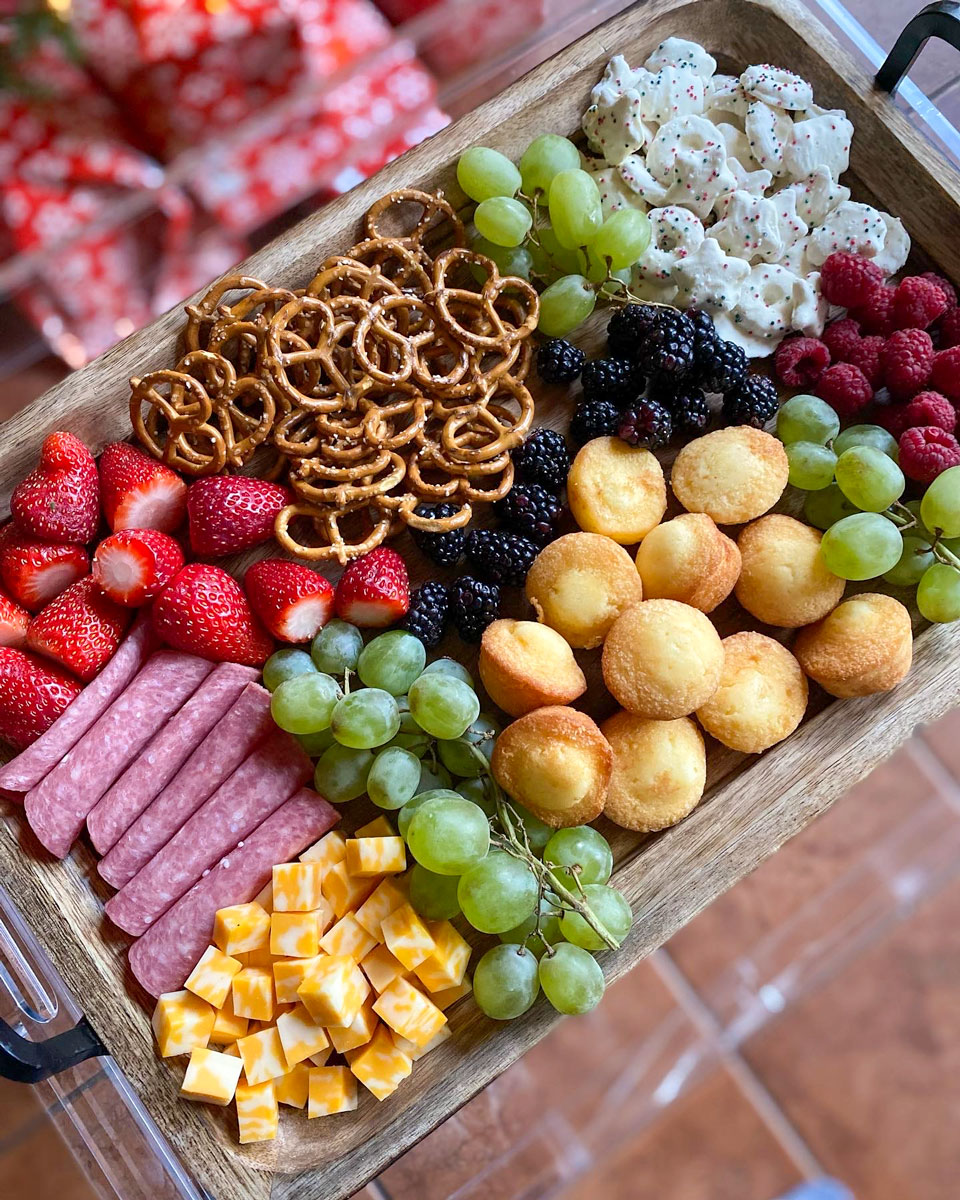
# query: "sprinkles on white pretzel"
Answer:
x=675 y=232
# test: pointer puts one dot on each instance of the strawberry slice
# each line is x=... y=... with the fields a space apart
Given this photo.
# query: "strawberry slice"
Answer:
x=204 y=611
x=293 y=601
x=59 y=501
x=134 y=565
x=139 y=492
x=374 y=590
x=13 y=622
x=33 y=693
x=228 y=513
x=33 y=573
x=81 y=629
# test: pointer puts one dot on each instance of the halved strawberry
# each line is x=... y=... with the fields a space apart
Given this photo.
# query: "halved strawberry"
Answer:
x=33 y=693
x=33 y=573
x=13 y=622
x=80 y=629
x=292 y=600
x=204 y=611
x=134 y=565
x=59 y=501
x=138 y=492
x=374 y=590
x=228 y=513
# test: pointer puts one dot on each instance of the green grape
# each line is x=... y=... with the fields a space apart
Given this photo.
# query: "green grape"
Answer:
x=285 y=664
x=868 y=435
x=824 y=508
x=510 y=260
x=538 y=832
x=443 y=706
x=610 y=909
x=506 y=981
x=623 y=238
x=410 y=736
x=365 y=719
x=315 y=743
x=938 y=594
x=405 y=815
x=483 y=173
x=337 y=647
x=915 y=557
x=448 y=834
x=435 y=776
x=341 y=773
x=503 y=220
x=433 y=896
x=919 y=530
x=545 y=157
x=549 y=928
x=869 y=478
x=475 y=791
x=305 y=703
x=940 y=506
x=564 y=305
x=575 y=211
x=561 y=261
x=807 y=419
x=497 y=893
x=598 y=269
x=583 y=846
x=394 y=778
x=572 y=979
x=392 y=661
x=449 y=666
x=811 y=465
x=862 y=546
x=457 y=756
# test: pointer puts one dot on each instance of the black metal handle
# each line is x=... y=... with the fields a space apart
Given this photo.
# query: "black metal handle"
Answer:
x=24 y=1061
x=940 y=20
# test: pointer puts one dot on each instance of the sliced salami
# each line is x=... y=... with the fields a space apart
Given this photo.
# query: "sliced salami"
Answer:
x=27 y=769
x=273 y=772
x=166 y=954
x=214 y=760
x=168 y=750
x=57 y=807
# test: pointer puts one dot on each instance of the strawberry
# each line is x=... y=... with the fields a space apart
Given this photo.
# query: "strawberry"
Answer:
x=374 y=590
x=13 y=622
x=204 y=611
x=59 y=501
x=33 y=573
x=134 y=565
x=80 y=629
x=292 y=600
x=33 y=693
x=228 y=513
x=139 y=492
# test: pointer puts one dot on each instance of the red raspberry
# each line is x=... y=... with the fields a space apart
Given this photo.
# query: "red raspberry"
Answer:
x=876 y=316
x=845 y=389
x=945 y=375
x=906 y=360
x=928 y=408
x=945 y=286
x=866 y=356
x=840 y=337
x=890 y=418
x=800 y=361
x=925 y=451
x=950 y=329
x=917 y=303
x=849 y=279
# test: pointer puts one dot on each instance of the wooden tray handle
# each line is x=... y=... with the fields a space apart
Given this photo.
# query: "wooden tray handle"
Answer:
x=940 y=20
x=24 y=1061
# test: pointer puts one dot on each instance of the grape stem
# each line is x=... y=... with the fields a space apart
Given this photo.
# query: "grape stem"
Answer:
x=904 y=519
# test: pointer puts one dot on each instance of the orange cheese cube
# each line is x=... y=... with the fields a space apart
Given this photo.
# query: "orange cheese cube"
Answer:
x=334 y=990
x=288 y=974
x=182 y=1022
x=257 y=958
x=449 y=996
x=357 y=1033
x=378 y=827
x=320 y=1060
x=262 y=1055
x=211 y=978
x=294 y=1087
x=380 y=967
x=407 y=937
x=227 y=1026
x=345 y=892
x=332 y=1090
x=385 y=898
x=332 y=848
x=348 y=938
x=296 y=886
x=408 y=1012
x=257 y=1112
x=381 y=1066
x=211 y=1076
x=265 y=897
x=376 y=856
x=413 y=1051
x=295 y=934
x=253 y=995
x=447 y=965
x=241 y=927
x=300 y=1035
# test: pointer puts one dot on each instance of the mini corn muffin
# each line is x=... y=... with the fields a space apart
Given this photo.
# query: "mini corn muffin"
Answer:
x=783 y=579
x=864 y=646
x=580 y=584
x=617 y=490
x=662 y=660
x=733 y=475
x=690 y=560
x=659 y=771
x=761 y=698
x=556 y=762
x=525 y=665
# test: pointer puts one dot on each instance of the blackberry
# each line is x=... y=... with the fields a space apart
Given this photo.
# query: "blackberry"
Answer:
x=501 y=557
x=628 y=329
x=543 y=458
x=703 y=327
x=754 y=402
x=473 y=606
x=690 y=411
x=668 y=349
x=664 y=389
x=595 y=418
x=559 y=362
x=648 y=424
x=721 y=367
x=445 y=549
x=427 y=616
x=530 y=510
x=611 y=379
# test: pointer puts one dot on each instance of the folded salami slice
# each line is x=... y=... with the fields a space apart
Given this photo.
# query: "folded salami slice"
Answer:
x=57 y=807
x=28 y=768
x=168 y=750
x=273 y=772
x=214 y=760
x=166 y=954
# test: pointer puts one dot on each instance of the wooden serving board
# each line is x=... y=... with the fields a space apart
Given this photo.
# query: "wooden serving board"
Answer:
x=752 y=805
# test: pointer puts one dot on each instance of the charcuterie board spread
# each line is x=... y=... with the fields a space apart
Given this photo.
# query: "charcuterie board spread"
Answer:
x=571 y=485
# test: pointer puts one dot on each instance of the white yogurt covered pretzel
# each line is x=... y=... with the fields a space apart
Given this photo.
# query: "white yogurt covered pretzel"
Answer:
x=791 y=225
x=749 y=227
x=724 y=94
x=777 y=87
x=668 y=93
x=616 y=130
x=614 y=193
x=675 y=233
x=810 y=307
x=819 y=142
x=618 y=77
x=736 y=142
x=746 y=180
x=896 y=246
x=769 y=131
x=766 y=301
x=818 y=194
x=678 y=52
x=634 y=173
x=709 y=279
x=795 y=259
x=690 y=157
x=728 y=327
x=853 y=227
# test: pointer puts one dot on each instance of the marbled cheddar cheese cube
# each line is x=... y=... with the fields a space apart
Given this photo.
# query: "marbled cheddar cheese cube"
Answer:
x=241 y=927
x=321 y=1059
x=324 y=914
x=257 y=1113
x=413 y=1051
x=262 y=1055
x=447 y=965
x=357 y=1033
x=265 y=897
x=385 y=898
x=332 y=848
x=376 y=856
x=378 y=827
x=294 y=1087
x=211 y=978
x=296 y=886
x=449 y=996
x=332 y=1090
x=227 y=1026
x=253 y=995
x=182 y=1022
x=257 y=958
x=288 y=974
x=408 y=1012
x=334 y=990
x=381 y=1066
x=348 y=938
x=381 y=968
x=345 y=892
x=294 y=934
x=211 y=1076
x=300 y=1035
x=407 y=937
